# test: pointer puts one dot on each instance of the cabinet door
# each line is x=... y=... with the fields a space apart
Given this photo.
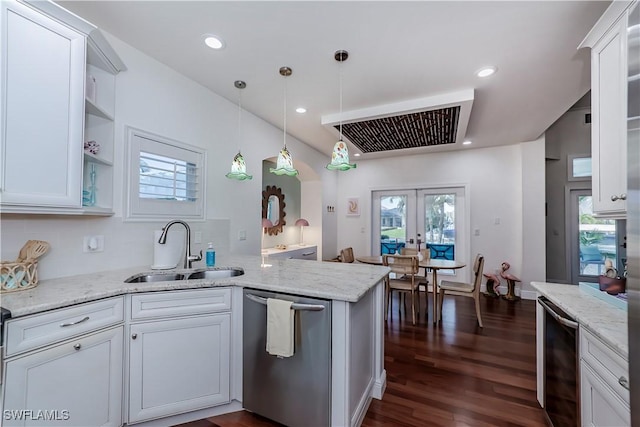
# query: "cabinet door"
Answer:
x=42 y=109
x=178 y=365
x=608 y=132
x=77 y=383
x=600 y=405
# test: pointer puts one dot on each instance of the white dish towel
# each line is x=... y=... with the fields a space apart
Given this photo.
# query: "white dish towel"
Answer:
x=279 y=327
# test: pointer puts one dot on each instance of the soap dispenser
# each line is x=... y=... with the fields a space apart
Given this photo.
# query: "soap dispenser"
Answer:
x=210 y=256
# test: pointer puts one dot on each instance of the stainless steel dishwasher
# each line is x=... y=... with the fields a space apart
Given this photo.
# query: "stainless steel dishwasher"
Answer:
x=295 y=391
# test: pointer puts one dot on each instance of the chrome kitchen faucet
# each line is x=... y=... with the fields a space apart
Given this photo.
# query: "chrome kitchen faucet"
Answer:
x=188 y=258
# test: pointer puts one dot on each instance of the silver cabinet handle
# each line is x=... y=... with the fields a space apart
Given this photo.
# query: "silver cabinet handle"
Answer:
x=294 y=306
x=64 y=325
x=308 y=253
x=623 y=382
x=77 y=346
x=615 y=198
x=134 y=336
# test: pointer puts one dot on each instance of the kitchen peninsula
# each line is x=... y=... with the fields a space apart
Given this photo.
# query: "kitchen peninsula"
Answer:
x=602 y=352
x=127 y=329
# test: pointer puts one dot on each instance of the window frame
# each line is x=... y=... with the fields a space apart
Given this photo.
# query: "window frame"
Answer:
x=148 y=209
x=570 y=173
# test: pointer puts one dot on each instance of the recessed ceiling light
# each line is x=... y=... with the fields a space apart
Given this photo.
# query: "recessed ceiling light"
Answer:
x=356 y=154
x=466 y=143
x=301 y=110
x=214 y=42
x=486 y=71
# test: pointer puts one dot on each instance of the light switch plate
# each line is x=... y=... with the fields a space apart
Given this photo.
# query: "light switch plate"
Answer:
x=92 y=244
x=242 y=234
x=197 y=237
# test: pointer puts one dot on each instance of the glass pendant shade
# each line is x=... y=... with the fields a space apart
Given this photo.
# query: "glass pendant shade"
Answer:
x=238 y=169
x=238 y=166
x=340 y=158
x=284 y=164
x=340 y=154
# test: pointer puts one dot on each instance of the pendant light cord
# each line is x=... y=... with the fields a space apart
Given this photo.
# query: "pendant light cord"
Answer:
x=340 y=79
x=284 y=136
x=239 y=117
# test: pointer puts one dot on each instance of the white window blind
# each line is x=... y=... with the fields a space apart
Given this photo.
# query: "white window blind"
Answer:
x=166 y=177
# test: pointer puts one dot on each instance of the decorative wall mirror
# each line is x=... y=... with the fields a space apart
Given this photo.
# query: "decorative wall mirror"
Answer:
x=273 y=209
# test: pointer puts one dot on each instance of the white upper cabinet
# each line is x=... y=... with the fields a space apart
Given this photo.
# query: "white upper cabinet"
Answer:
x=47 y=113
x=608 y=43
x=43 y=65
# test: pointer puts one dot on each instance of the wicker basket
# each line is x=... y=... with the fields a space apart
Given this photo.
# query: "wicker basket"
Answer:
x=18 y=276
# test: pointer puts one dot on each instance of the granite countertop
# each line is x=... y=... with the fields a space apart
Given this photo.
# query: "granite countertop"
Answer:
x=328 y=280
x=607 y=322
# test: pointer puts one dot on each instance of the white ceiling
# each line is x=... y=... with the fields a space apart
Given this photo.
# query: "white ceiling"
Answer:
x=398 y=51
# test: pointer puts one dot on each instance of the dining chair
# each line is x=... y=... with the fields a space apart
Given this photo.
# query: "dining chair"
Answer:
x=405 y=269
x=346 y=255
x=422 y=281
x=471 y=290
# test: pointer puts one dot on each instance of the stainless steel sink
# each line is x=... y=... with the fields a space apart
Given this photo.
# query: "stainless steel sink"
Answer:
x=216 y=273
x=155 y=277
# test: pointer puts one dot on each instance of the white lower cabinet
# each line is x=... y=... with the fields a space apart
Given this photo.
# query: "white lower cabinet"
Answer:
x=74 y=383
x=600 y=405
x=177 y=365
x=604 y=392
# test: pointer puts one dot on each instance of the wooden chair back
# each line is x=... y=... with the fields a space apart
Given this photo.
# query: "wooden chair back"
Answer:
x=346 y=255
x=426 y=253
x=401 y=264
x=478 y=266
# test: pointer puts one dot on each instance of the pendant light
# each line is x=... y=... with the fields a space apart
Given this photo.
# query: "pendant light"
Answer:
x=284 y=165
x=238 y=166
x=340 y=155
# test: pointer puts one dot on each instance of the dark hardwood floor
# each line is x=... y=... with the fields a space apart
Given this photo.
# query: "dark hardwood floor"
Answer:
x=451 y=374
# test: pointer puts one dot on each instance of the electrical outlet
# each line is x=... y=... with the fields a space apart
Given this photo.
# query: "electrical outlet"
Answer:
x=476 y=232
x=91 y=244
x=197 y=237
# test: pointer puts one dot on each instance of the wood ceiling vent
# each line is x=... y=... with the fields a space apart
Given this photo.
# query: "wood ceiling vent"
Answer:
x=421 y=129
x=415 y=126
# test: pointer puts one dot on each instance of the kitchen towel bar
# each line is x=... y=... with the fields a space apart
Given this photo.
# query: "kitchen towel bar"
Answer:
x=294 y=306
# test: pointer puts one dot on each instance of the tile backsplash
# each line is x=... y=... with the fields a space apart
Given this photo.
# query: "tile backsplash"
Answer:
x=126 y=244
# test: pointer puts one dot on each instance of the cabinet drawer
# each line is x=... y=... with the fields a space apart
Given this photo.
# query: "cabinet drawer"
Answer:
x=611 y=368
x=309 y=253
x=180 y=303
x=39 y=330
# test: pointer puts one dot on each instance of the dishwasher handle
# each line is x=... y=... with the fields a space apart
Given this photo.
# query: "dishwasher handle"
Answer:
x=294 y=306
x=562 y=320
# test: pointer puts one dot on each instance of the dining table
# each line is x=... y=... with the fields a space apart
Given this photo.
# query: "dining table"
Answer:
x=428 y=264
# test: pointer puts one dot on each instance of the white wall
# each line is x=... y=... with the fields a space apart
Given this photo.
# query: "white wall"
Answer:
x=502 y=182
x=153 y=97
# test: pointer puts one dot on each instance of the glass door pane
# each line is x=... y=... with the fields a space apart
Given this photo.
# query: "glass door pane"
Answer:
x=440 y=225
x=393 y=222
x=593 y=240
x=597 y=239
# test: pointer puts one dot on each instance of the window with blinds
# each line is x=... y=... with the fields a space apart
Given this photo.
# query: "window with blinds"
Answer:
x=165 y=177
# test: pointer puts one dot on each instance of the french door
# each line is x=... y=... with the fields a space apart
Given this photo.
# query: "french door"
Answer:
x=435 y=217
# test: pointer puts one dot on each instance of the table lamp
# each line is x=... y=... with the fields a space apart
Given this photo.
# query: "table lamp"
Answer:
x=302 y=223
x=266 y=223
